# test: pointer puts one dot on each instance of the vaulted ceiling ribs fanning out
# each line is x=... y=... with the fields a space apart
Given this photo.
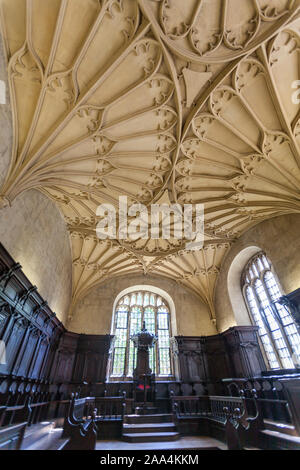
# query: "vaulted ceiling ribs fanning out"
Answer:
x=158 y=100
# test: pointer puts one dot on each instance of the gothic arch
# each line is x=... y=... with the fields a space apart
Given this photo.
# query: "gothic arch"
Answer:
x=155 y=290
x=234 y=284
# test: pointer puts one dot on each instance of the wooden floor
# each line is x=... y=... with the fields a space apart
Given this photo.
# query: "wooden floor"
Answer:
x=187 y=442
x=44 y=436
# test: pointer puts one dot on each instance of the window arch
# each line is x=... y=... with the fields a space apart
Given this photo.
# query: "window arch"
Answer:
x=276 y=327
x=131 y=310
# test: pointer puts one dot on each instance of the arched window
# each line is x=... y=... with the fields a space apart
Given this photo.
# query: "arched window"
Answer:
x=131 y=311
x=277 y=330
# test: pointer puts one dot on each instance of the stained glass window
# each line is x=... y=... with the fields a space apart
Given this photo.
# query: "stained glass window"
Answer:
x=132 y=310
x=276 y=328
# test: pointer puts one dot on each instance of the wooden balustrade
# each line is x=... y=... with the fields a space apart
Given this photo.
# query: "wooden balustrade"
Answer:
x=210 y=406
x=110 y=408
x=219 y=414
x=271 y=398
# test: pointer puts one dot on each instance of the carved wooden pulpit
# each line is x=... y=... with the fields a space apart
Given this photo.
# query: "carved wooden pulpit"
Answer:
x=143 y=376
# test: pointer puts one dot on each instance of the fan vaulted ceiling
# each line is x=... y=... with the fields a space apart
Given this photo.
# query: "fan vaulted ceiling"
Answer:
x=186 y=101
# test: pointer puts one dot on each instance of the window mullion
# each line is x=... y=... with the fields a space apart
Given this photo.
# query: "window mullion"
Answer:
x=266 y=324
x=157 y=344
x=259 y=336
x=277 y=318
x=127 y=343
x=169 y=332
x=114 y=347
x=284 y=333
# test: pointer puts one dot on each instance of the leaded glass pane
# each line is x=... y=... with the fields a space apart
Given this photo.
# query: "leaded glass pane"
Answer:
x=121 y=320
x=164 y=361
x=260 y=265
x=139 y=300
x=163 y=339
x=120 y=338
x=119 y=361
x=266 y=262
x=272 y=286
x=135 y=320
x=162 y=320
x=149 y=318
x=152 y=359
x=135 y=326
x=269 y=350
x=254 y=270
x=131 y=358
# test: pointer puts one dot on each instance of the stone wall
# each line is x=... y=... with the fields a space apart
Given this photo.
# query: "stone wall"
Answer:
x=33 y=231
x=279 y=238
x=93 y=313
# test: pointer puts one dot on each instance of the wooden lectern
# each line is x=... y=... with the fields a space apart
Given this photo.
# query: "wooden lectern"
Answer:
x=143 y=376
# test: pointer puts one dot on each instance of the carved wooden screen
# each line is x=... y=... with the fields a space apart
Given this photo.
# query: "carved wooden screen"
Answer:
x=277 y=330
x=132 y=309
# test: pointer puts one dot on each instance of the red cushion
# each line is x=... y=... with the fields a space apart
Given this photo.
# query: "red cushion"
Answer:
x=141 y=387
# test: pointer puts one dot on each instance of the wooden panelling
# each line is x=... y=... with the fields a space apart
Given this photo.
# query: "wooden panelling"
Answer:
x=208 y=360
x=28 y=327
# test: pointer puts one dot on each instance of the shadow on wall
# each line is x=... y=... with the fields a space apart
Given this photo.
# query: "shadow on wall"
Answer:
x=234 y=284
x=6 y=132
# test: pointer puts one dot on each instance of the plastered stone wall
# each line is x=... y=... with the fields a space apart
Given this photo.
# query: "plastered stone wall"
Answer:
x=5 y=118
x=93 y=313
x=279 y=238
x=33 y=231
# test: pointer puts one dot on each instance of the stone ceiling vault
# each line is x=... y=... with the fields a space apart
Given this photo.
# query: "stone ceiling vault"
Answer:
x=190 y=101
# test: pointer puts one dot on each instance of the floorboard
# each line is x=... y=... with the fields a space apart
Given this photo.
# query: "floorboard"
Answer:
x=187 y=442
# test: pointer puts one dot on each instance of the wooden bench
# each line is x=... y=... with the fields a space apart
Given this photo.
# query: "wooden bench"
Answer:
x=80 y=425
x=16 y=414
x=11 y=437
x=76 y=413
x=109 y=416
x=225 y=418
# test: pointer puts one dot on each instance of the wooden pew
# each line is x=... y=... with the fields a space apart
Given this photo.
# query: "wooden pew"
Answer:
x=108 y=419
x=75 y=414
x=16 y=414
x=11 y=437
x=225 y=418
x=83 y=435
x=80 y=425
x=110 y=415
